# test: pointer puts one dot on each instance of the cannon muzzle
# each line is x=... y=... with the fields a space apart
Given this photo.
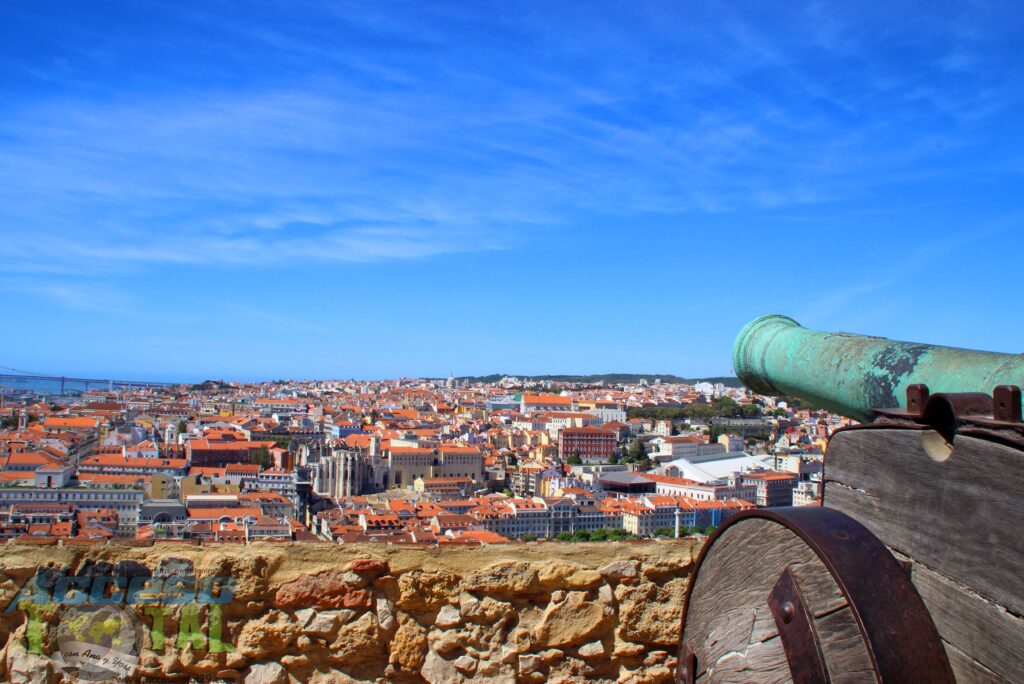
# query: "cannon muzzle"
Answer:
x=853 y=374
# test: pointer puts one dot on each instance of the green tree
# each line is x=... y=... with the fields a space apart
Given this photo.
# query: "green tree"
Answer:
x=182 y=427
x=263 y=457
x=726 y=406
x=507 y=492
x=574 y=458
x=528 y=537
x=701 y=411
x=637 y=450
x=751 y=411
x=657 y=412
x=564 y=536
x=795 y=403
x=599 y=535
x=581 y=536
x=709 y=529
x=716 y=431
x=665 y=532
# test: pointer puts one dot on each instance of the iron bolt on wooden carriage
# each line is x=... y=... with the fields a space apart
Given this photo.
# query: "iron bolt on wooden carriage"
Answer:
x=911 y=569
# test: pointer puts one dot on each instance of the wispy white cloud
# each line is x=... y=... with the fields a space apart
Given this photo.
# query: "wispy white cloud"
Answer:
x=73 y=294
x=432 y=146
x=854 y=299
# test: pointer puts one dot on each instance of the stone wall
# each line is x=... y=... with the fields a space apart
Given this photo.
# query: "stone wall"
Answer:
x=340 y=613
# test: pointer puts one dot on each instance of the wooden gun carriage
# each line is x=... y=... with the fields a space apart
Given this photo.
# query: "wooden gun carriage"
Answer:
x=911 y=569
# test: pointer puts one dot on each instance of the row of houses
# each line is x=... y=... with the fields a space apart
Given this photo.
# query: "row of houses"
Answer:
x=531 y=517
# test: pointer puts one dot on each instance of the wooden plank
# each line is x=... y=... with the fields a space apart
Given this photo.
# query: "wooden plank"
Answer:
x=959 y=516
x=989 y=639
x=732 y=631
x=729 y=593
x=970 y=671
x=842 y=646
x=761 y=663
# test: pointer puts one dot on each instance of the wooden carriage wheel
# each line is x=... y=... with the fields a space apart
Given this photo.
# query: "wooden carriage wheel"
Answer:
x=804 y=595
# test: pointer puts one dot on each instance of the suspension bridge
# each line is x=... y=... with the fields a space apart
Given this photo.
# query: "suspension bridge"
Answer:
x=15 y=379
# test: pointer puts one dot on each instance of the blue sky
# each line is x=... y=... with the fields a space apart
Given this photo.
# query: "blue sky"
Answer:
x=291 y=189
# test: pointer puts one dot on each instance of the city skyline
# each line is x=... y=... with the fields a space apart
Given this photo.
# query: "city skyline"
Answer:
x=318 y=191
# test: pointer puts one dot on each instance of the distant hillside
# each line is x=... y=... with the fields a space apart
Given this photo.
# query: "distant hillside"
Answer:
x=607 y=378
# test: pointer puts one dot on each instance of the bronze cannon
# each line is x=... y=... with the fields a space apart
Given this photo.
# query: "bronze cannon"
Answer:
x=910 y=569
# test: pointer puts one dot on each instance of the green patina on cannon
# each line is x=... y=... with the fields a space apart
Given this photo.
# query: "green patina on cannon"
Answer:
x=854 y=374
x=910 y=569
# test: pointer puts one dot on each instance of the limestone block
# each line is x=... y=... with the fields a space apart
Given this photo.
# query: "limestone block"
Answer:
x=574 y=621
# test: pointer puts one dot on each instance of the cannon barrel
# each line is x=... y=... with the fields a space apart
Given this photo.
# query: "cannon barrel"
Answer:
x=852 y=374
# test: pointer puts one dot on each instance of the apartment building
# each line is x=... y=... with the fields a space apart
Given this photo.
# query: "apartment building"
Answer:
x=774 y=488
x=205 y=453
x=535 y=403
x=690 y=447
x=715 y=490
x=125 y=502
x=108 y=464
x=406 y=464
x=591 y=444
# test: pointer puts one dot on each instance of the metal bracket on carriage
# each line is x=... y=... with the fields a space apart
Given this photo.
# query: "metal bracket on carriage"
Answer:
x=997 y=417
x=796 y=630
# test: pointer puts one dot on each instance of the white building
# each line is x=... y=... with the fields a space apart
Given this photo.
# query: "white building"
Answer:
x=663 y=428
x=733 y=443
x=731 y=487
x=609 y=414
x=690 y=447
x=807 y=493
x=713 y=469
x=283 y=482
x=125 y=502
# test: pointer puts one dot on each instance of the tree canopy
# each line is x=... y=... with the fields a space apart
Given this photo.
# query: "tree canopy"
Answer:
x=722 y=407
